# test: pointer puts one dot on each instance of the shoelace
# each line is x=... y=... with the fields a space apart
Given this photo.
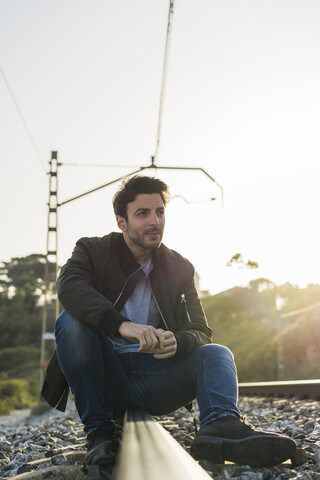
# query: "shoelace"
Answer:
x=245 y=422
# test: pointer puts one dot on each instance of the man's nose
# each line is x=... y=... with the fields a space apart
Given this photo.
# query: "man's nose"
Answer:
x=154 y=219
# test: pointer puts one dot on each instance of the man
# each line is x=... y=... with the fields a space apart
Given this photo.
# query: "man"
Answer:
x=134 y=333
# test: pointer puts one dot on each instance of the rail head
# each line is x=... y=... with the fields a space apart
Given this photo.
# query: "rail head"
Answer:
x=148 y=452
x=299 y=388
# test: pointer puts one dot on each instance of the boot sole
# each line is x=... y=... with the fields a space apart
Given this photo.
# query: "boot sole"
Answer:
x=257 y=451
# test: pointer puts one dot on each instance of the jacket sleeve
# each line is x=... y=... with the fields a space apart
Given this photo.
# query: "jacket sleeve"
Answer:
x=78 y=295
x=193 y=329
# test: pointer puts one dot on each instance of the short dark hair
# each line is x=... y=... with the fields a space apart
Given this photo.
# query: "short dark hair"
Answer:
x=131 y=187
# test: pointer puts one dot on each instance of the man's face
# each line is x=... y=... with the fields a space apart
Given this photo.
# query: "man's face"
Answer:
x=146 y=218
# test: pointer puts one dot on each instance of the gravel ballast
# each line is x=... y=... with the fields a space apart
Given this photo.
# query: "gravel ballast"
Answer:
x=52 y=445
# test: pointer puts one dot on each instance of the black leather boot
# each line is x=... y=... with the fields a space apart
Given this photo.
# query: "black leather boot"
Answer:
x=230 y=438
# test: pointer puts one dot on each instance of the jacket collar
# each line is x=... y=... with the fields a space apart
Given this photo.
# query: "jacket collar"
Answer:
x=127 y=261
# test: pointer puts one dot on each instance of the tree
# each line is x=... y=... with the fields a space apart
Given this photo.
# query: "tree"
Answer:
x=300 y=341
x=22 y=279
x=247 y=320
x=294 y=298
x=22 y=286
x=241 y=320
x=237 y=259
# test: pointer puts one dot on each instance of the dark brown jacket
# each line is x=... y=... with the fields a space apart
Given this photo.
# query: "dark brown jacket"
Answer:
x=98 y=279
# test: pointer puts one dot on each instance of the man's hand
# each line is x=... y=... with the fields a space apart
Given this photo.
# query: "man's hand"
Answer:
x=169 y=347
x=151 y=339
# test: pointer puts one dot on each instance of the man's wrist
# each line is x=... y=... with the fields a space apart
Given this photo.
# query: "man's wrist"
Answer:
x=111 y=321
x=126 y=320
x=182 y=345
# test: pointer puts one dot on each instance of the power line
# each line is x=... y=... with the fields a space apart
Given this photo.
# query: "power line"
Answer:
x=95 y=165
x=23 y=119
x=163 y=83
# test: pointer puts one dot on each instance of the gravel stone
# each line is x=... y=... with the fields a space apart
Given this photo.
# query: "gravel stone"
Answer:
x=6 y=447
x=55 y=442
x=59 y=460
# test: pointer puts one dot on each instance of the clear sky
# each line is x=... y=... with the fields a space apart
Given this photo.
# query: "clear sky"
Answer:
x=242 y=101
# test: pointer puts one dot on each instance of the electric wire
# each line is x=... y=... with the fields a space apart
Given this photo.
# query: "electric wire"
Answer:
x=23 y=119
x=164 y=76
x=104 y=165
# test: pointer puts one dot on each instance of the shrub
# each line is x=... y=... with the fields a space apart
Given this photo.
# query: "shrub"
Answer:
x=15 y=394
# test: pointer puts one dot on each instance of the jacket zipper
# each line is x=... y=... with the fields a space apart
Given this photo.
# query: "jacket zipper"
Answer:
x=120 y=294
x=184 y=301
x=161 y=315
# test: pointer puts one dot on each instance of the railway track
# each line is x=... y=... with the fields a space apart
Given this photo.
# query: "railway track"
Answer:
x=298 y=388
x=148 y=451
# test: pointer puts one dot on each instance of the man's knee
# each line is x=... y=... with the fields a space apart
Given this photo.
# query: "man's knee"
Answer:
x=66 y=324
x=76 y=341
x=215 y=352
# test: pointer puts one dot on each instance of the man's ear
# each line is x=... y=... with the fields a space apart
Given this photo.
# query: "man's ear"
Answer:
x=122 y=223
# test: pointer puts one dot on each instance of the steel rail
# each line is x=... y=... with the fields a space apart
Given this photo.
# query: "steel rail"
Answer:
x=149 y=452
x=299 y=388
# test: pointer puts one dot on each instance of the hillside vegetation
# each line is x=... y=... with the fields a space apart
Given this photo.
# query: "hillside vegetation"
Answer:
x=265 y=346
x=21 y=296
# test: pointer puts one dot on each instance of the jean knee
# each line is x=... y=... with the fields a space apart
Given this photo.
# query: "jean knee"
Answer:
x=75 y=339
x=66 y=324
x=216 y=352
x=73 y=335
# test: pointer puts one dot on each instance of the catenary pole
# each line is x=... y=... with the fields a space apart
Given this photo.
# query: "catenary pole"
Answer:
x=51 y=259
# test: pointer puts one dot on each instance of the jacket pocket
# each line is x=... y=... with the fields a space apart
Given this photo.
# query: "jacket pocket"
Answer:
x=184 y=302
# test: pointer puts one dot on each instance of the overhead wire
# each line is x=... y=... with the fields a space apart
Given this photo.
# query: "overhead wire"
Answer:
x=23 y=119
x=68 y=164
x=153 y=164
x=164 y=76
x=162 y=91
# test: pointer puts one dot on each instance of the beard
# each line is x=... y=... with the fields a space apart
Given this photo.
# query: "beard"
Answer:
x=143 y=240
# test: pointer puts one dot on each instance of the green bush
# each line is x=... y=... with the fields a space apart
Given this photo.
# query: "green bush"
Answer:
x=16 y=358
x=15 y=394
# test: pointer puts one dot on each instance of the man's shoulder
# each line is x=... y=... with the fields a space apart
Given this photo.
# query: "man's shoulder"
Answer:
x=94 y=248
x=174 y=257
x=99 y=242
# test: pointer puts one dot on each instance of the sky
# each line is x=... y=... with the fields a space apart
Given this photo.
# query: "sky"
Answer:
x=241 y=101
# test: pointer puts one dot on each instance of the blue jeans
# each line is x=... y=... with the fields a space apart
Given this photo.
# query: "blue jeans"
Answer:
x=104 y=383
